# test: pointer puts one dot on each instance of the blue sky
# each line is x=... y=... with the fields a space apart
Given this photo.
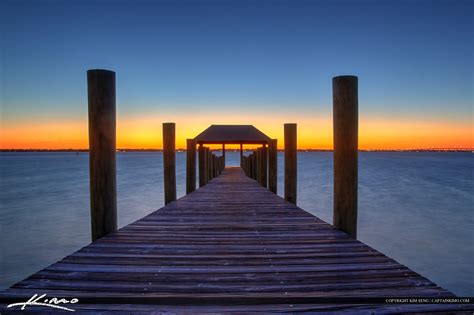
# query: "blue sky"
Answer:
x=414 y=59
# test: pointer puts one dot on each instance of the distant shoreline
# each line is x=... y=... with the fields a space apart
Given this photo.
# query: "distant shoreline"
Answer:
x=236 y=150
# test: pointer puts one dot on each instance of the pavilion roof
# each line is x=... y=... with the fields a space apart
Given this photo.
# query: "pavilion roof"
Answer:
x=232 y=134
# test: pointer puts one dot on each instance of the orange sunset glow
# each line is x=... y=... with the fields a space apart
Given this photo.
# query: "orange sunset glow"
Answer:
x=146 y=133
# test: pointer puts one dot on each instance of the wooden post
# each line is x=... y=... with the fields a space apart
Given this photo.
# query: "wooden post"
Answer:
x=272 y=166
x=216 y=168
x=259 y=164
x=263 y=166
x=241 y=153
x=102 y=165
x=255 y=165
x=290 y=163
x=213 y=163
x=202 y=165
x=223 y=153
x=246 y=165
x=251 y=166
x=246 y=161
x=190 y=165
x=345 y=122
x=169 y=161
x=209 y=165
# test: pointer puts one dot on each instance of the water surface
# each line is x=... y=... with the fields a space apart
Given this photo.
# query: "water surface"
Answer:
x=417 y=208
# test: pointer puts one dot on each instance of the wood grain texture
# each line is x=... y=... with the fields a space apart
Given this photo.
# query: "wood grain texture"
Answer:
x=230 y=246
x=102 y=148
x=345 y=126
x=259 y=165
x=241 y=153
x=190 y=165
x=263 y=166
x=223 y=153
x=169 y=161
x=273 y=166
x=202 y=165
x=290 y=163
x=208 y=165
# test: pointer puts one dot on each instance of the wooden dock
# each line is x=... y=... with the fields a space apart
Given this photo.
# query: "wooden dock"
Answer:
x=230 y=246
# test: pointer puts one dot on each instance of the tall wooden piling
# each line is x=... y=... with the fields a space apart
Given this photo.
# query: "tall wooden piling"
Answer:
x=255 y=165
x=263 y=166
x=223 y=153
x=102 y=147
x=208 y=165
x=169 y=161
x=216 y=166
x=290 y=163
x=345 y=125
x=259 y=164
x=251 y=166
x=190 y=165
x=272 y=166
x=241 y=153
x=202 y=165
x=213 y=164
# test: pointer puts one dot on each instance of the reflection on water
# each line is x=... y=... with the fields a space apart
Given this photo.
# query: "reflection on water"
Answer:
x=415 y=207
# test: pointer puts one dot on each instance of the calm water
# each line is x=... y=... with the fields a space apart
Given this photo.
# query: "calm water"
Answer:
x=415 y=207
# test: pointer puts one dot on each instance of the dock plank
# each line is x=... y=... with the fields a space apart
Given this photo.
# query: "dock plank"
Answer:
x=230 y=246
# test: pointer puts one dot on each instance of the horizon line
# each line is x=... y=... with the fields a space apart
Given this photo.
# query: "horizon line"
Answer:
x=237 y=150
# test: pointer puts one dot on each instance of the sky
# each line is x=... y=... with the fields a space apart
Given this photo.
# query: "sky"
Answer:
x=265 y=63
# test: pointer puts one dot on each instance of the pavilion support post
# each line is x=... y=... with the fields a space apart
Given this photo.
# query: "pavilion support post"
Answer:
x=290 y=163
x=190 y=165
x=263 y=166
x=102 y=147
x=241 y=153
x=345 y=122
x=272 y=166
x=202 y=165
x=169 y=161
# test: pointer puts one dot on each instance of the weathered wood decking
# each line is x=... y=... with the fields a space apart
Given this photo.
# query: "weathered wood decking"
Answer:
x=229 y=246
